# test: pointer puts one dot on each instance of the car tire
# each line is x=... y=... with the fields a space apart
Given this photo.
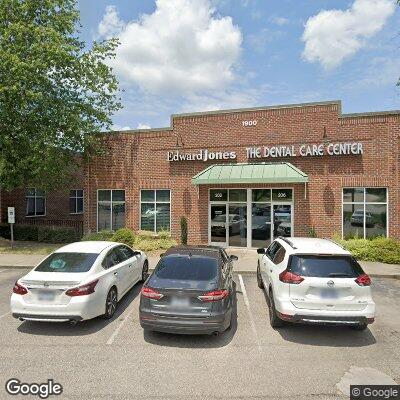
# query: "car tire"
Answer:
x=111 y=303
x=260 y=283
x=145 y=271
x=360 y=327
x=274 y=320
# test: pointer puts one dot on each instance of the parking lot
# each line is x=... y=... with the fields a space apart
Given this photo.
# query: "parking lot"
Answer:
x=114 y=359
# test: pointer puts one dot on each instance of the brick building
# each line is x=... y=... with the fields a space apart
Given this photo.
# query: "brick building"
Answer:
x=244 y=176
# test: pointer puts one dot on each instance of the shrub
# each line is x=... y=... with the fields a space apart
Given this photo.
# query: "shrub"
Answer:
x=163 y=234
x=184 y=230
x=312 y=232
x=102 y=235
x=52 y=234
x=380 y=249
x=124 y=235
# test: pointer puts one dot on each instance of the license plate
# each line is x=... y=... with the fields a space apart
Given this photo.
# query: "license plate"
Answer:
x=46 y=295
x=180 y=302
x=329 y=293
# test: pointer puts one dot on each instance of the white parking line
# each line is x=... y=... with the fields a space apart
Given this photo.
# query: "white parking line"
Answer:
x=118 y=328
x=246 y=301
x=4 y=315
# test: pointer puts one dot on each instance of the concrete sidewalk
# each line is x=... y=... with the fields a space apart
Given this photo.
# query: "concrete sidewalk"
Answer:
x=247 y=263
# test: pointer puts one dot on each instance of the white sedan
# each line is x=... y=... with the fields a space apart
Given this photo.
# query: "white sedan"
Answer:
x=79 y=281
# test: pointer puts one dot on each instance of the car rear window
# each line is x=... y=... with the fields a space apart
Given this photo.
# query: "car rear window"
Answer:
x=193 y=268
x=67 y=262
x=325 y=266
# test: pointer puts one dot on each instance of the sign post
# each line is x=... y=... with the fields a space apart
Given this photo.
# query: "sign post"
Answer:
x=11 y=221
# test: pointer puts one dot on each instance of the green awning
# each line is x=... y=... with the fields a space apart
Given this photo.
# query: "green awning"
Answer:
x=250 y=173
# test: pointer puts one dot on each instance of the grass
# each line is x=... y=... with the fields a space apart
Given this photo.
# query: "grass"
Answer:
x=22 y=247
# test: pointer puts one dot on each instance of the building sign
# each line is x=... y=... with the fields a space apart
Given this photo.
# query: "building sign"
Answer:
x=11 y=215
x=278 y=151
x=305 y=150
x=201 y=155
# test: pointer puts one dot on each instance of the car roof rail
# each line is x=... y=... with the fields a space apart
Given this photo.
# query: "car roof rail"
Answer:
x=335 y=242
x=286 y=240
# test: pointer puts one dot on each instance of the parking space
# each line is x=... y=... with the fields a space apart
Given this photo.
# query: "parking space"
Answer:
x=115 y=359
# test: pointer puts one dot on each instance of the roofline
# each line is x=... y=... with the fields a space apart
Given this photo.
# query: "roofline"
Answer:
x=253 y=109
x=247 y=109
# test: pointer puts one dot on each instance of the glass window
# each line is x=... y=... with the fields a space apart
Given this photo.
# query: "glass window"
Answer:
x=114 y=257
x=155 y=210
x=238 y=195
x=282 y=194
x=186 y=268
x=353 y=195
x=325 y=266
x=364 y=218
x=279 y=256
x=67 y=262
x=35 y=202
x=218 y=195
x=126 y=252
x=76 y=201
x=110 y=209
x=262 y=195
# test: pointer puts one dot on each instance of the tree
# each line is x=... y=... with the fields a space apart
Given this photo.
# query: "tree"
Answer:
x=55 y=94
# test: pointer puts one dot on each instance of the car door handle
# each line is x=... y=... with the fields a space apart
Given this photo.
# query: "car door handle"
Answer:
x=115 y=273
x=270 y=270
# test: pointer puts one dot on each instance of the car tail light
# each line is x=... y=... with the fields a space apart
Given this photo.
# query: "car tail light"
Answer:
x=290 y=277
x=151 y=293
x=82 y=290
x=363 y=280
x=19 y=289
x=215 y=295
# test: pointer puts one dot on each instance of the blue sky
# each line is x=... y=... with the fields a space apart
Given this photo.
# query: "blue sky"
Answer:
x=194 y=55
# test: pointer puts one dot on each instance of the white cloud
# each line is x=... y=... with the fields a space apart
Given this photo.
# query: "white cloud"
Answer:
x=332 y=36
x=279 y=20
x=117 y=127
x=143 y=126
x=110 y=25
x=182 y=47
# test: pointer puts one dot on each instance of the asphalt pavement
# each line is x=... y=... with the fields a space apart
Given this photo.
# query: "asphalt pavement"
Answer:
x=115 y=359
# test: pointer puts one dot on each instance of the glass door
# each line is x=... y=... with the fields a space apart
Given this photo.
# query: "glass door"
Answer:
x=218 y=223
x=237 y=223
x=282 y=220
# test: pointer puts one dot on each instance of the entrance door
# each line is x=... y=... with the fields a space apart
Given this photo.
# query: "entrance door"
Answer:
x=282 y=220
x=237 y=222
x=218 y=224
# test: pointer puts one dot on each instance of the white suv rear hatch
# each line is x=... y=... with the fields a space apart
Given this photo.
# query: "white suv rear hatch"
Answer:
x=330 y=282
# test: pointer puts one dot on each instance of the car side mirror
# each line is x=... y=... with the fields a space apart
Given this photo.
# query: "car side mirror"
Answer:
x=136 y=253
x=233 y=258
x=261 y=251
x=162 y=255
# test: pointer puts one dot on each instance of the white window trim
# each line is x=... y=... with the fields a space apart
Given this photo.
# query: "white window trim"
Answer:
x=76 y=197
x=111 y=207
x=155 y=202
x=364 y=203
x=35 y=197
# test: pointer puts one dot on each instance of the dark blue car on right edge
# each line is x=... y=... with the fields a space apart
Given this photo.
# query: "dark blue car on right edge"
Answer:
x=191 y=291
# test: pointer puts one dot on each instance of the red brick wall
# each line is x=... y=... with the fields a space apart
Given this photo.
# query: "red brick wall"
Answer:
x=137 y=160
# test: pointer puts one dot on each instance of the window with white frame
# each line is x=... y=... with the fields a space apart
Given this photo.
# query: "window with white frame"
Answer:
x=35 y=202
x=110 y=209
x=155 y=210
x=364 y=212
x=76 y=201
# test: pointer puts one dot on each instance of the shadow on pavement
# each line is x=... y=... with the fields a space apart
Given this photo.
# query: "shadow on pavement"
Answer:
x=82 y=328
x=196 y=341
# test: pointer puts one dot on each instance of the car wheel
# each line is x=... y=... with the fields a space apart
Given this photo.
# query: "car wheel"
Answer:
x=260 y=283
x=111 y=303
x=360 y=327
x=274 y=320
x=145 y=271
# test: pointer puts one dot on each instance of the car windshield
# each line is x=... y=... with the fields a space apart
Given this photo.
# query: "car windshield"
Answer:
x=67 y=262
x=321 y=266
x=187 y=268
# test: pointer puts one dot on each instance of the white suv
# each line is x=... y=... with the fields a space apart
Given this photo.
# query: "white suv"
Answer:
x=314 y=281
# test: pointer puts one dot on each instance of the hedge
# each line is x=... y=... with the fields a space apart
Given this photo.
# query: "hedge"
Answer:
x=380 y=249
x=44 y=234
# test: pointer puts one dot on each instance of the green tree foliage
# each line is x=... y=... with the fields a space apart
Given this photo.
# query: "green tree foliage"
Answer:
x=55 y=94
